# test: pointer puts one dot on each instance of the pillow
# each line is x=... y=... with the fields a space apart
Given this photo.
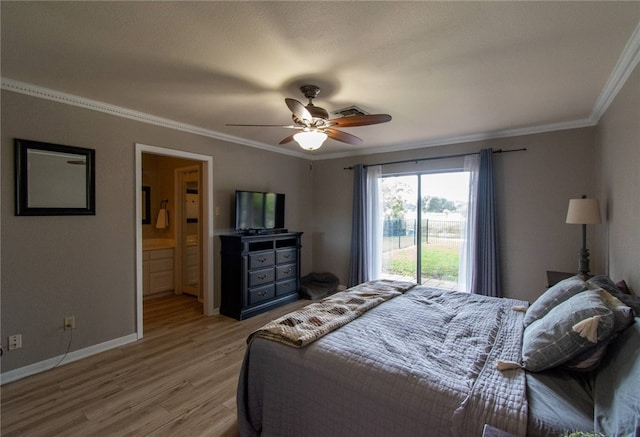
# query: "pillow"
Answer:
x=566 y=331
x=622 y=286
x=630 y=300
x=603 y=281
x=555 y=295
x=622 y=319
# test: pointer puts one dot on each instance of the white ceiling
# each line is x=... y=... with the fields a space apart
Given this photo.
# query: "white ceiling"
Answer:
x=445 y=71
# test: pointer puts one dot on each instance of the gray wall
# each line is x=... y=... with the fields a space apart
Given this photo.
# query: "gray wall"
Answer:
x=85 y=265
x=534 y=188
x=57 y=266
x=619 y=165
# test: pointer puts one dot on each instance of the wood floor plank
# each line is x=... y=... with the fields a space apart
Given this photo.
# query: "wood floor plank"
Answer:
x=180 y=379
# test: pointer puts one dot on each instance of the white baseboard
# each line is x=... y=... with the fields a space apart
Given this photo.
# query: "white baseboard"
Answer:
x=43 y=366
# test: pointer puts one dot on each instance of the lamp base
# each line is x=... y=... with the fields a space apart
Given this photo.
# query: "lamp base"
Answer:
x=583 y=266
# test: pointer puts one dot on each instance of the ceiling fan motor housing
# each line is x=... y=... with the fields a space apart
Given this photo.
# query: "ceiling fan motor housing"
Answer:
x=311 y=92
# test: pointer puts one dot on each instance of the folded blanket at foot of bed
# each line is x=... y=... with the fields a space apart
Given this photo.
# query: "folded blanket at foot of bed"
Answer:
x=306 y=325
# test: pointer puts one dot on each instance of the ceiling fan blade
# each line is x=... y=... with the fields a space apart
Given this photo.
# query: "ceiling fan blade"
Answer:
x=360 y=120
x=289 y=126
x=342 y=136
x=298 y=109
x=287 y=140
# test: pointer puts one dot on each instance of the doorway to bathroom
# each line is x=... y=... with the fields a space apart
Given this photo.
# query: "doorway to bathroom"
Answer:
x=174 y=227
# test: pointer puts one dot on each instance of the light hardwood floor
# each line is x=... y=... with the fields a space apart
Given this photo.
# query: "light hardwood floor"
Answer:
x=179 y=380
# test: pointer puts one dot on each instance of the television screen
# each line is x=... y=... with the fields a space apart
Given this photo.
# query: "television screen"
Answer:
x=258 y=211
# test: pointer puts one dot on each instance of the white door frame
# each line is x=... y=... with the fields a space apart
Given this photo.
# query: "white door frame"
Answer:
x=207 y=217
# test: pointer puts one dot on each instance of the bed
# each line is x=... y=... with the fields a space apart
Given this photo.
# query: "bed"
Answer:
x=388 y=358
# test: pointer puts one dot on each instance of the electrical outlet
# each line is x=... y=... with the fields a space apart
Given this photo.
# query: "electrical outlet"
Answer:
x=70 y=322
x=15 y=341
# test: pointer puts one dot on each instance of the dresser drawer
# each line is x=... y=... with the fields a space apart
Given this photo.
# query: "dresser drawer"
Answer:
x=259 y=277
x=259 y=294
x=262 y=259
x=285 y=256
x=285 y=271
x=286 y=287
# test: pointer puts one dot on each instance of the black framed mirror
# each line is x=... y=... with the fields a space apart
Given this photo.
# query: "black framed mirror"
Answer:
x=146 y=205
x=51 y=179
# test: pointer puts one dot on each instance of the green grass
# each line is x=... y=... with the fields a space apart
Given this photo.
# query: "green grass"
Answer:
x=437 y=262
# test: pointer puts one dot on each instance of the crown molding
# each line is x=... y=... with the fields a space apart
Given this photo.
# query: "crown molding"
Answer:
x=627 y=62
x=506 y=133
x=119 y=111
x=624 y=67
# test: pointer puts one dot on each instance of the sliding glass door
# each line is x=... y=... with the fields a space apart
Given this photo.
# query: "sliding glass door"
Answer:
x=399 y=237
x=424 y=217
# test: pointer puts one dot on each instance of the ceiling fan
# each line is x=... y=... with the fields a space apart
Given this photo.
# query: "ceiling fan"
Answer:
x=314 y=123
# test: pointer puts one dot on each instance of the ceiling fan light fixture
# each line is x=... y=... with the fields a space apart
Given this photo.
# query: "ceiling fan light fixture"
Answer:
x=310 y=140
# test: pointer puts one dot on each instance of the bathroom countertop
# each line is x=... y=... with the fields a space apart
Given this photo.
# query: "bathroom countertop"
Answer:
x=158 y=243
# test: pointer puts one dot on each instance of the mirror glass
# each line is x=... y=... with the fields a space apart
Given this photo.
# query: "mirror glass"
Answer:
x=190 y=230
x=146 y=205
x=66 y=169
x=52 y=179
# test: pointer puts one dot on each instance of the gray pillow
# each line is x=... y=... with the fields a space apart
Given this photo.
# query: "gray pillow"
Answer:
x=603 y=281
x=622 y=319
x=555 y=295
x=563 y=333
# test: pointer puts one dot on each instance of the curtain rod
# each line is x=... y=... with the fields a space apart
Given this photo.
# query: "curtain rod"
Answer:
x=438 y=157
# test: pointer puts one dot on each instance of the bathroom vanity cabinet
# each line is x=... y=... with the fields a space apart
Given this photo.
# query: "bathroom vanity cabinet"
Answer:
x=157 y=271
x=259 y=272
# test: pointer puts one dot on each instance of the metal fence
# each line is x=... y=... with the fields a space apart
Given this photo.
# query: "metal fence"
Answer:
x=400 y=234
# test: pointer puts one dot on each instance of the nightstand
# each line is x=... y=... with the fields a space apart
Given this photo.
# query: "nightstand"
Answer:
x=554 y=277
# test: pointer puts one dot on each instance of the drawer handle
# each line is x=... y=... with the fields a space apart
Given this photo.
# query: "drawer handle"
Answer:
x=263 y=276
x=262 y=293
x=286 y=256
x=287 y=271
x=262 y=259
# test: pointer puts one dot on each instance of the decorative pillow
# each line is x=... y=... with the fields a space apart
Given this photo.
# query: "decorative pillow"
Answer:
x=555 y=295
x=602 y=281
x=567 y=330
x=622 y=319
x=622 y=286
x=630 y=300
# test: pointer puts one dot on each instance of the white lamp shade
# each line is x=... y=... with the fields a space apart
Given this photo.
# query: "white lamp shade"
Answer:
x=310 y=140
x=584 y=212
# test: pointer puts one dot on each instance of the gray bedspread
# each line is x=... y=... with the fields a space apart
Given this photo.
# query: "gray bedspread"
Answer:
x=423 y=363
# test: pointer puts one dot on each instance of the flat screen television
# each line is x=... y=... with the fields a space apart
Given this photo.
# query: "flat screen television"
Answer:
x=258 y=211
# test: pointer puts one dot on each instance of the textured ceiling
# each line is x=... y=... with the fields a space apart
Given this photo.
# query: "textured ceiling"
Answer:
x=445 y=71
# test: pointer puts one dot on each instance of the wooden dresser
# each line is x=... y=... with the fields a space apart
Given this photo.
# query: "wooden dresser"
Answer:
x=259 y=272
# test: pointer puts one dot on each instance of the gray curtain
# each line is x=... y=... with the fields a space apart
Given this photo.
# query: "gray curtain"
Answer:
x=358 y=260
x=486 y=272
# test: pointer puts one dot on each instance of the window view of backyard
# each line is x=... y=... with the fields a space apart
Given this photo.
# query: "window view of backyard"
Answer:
x=423 y=226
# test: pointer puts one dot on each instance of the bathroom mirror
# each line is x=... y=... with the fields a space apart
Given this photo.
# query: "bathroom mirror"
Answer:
x=146 y=205
x=51 y=179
